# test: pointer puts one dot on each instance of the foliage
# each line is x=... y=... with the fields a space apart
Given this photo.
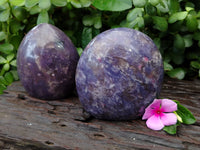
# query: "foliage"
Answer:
x=174 y=25
x=184 y=116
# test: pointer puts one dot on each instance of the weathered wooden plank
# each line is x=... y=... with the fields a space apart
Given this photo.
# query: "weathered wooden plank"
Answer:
x=29 y=123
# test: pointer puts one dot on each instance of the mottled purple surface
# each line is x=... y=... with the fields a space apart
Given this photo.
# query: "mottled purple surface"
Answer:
x=119 y=74
x=46 y=62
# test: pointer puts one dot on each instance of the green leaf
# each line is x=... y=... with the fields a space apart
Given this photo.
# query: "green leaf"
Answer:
x=186 y=116
x=6 y=48
x=76 y=3
x=188 y=9
x=2 y=35
x=9 y=77
x=86 y=36
x=177 y=16
x=177 y=73
x=150 y=9
x=19 y=12
x=43 y=17
x=198 y=14
x=10 y=57
x=6 y=67
x=170 y=129
x=134 y=13
x=4 y=15
x=129 y=24
x=195 y=64
x=198 y=23
x=188 y=40
x=88 y=20
x=112 y=5
x=80 y=51
x=3 y=81
x=94 y=19
x=15 y=26
x=160 y=23
x=59 y=3
x=157 y=42
x=167 y=66
x=137 y=23
x=44 y=4
x=174 y=6
x=139 y=3
x=163 y=3
x=2 y=88
x=4 y=7
x=179 y=42
x=86 y=3
x=189 y=6
x=15 y=74
x=35 y=9
x=163 y=6
x=98 y=24
x=140 y=22
x=31 y=3
x=97 y=21
x=14 y=63
x=154 y=2
x=15 y=40
x=17 y=2
x=167 y=57
x=81 y=3
x=2 y=2
x=2 y=60
x=191 y=23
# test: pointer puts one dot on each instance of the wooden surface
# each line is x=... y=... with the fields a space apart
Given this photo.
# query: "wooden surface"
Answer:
x=31 y=124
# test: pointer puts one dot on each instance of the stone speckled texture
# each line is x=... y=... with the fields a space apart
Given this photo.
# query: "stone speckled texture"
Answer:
x=46 y=62
x=119 y=74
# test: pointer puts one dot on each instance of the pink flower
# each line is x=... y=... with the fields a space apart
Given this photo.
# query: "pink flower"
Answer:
x=160 y=114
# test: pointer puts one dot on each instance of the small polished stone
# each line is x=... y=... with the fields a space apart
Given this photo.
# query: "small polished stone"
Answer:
x=46 y=62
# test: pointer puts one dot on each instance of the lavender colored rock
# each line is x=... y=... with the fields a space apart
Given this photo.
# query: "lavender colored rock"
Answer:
x=46 y=62
x=119 y=74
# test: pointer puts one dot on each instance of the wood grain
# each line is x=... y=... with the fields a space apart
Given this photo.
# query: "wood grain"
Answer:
x=32 y=124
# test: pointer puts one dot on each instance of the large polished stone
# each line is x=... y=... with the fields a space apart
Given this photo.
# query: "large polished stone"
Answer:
x=119 y=74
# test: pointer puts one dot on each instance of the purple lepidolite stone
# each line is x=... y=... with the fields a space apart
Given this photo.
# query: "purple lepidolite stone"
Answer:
x=46 y=62
x=119 y=74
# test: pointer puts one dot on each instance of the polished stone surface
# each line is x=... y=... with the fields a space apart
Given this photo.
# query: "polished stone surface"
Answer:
x=46 y=62
x=119 y=74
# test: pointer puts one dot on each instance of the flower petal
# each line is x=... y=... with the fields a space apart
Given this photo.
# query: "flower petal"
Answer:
x=155 y=123
x=148 y=113
x=168 y=105
x=168 y=119
x=156 y=103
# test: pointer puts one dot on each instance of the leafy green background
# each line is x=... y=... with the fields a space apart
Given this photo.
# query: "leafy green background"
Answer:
x=174 y=25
